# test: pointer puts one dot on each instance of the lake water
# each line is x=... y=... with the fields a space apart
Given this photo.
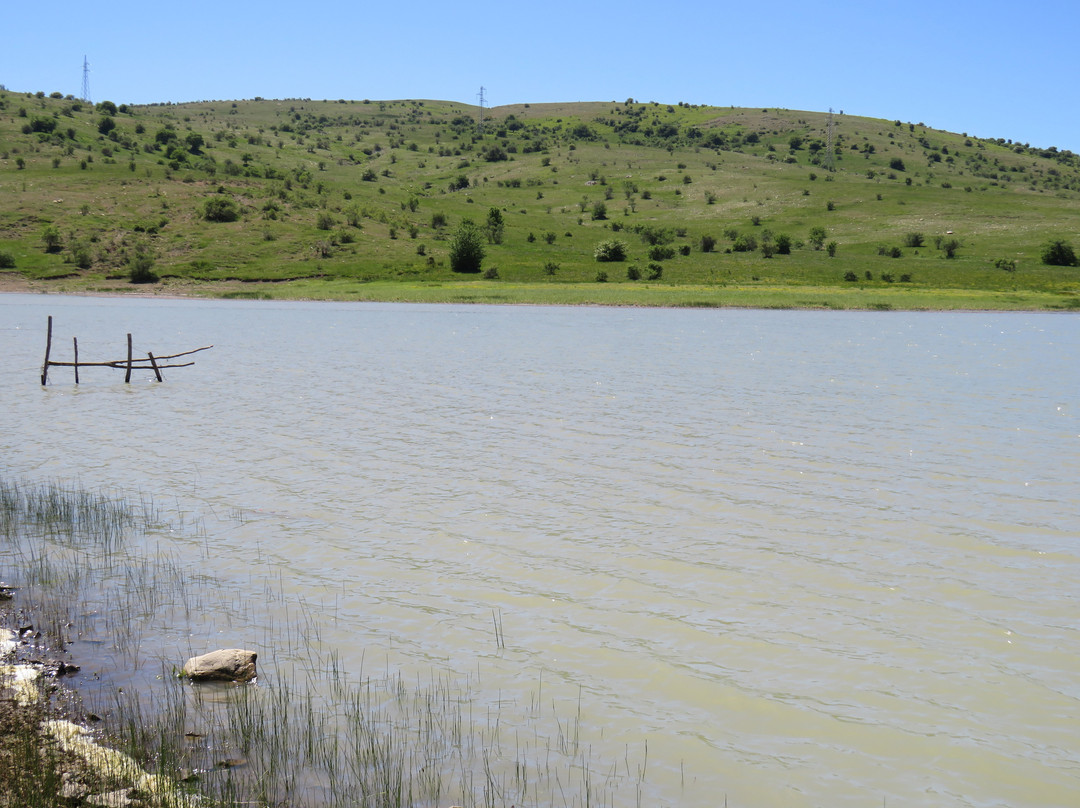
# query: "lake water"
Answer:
x=811 y=558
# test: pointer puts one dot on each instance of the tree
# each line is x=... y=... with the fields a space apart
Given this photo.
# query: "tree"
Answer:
x=1059 y=253
x=195 y=142
x=50 y=236
x=599 y=211
x=817 y=237
x=221 y=209
x=106 y=125
x=613 y=250
x=494 y=227
x=467 y=248
x=896 y=164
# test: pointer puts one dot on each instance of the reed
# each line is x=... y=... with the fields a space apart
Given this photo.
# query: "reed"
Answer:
x=307 y=734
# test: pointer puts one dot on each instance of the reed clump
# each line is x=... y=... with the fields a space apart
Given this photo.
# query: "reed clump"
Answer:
x=307 y=734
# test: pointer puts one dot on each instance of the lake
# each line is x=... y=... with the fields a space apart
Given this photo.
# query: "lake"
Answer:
x=806 y=557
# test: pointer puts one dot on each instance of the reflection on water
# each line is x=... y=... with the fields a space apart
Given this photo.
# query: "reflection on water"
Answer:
x=810 y=557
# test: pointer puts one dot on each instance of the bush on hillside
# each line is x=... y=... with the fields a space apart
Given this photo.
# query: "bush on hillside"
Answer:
x=1059 y=253
x=612 y=250
x=467 y=248
x=221 y=209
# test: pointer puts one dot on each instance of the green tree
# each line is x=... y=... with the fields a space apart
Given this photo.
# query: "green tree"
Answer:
x=1059 y=253
x=599 y=211
x=195 y=142
x=106 y=125
x=221 y=209
x=494 y=226
x=51 y=238
x=467 y=248
x=613 y=250
x=817 y=237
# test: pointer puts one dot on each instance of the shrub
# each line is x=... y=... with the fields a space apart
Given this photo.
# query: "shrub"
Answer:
x=950 y=246
x=708 y=243
x=7 y=260
x=783 y=244
x=141 y=269
x=467 y=249
x=550 y=268
x=601 y=277
x=914 y=240
x=655 y=235
x=896 y=252
x=50 y=237
x=656 y=271
x=1059 y=253
x=599 y=211
x=850 y=276
x=1005 y=264
x=438 y=220
x=491 y=274
x=831 y=248
x=549 y=237
x=887 y=277
x=905 y=278
x=896 y=164
x=659 y=253
x=633 y=273
x=494 y=226
x=684 y=249
x=221 y=209
x=817 y=237
x=324 y=221
x=744 y=244
x=612 y=250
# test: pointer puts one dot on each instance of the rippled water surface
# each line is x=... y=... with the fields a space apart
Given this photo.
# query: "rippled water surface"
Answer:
x=812 y=558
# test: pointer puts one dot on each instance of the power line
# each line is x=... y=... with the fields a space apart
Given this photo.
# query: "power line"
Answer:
x=85 y=80
x=480 y=122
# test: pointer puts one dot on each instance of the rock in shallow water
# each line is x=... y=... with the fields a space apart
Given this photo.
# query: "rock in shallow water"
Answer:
x=226 y=665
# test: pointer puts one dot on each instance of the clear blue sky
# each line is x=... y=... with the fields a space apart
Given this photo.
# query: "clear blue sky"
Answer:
x=990 y=68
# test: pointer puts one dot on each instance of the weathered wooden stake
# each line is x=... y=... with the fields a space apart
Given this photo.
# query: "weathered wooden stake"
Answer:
x=75 y=340
x=154 y=363
x=48 y=348
x=127 y=376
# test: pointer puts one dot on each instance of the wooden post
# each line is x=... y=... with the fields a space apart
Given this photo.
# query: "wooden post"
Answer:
x=152 y=362
x=75 y=340
x=127 y=376
x=48 y=348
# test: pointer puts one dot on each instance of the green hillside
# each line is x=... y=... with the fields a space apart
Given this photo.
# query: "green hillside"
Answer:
x=363 y=199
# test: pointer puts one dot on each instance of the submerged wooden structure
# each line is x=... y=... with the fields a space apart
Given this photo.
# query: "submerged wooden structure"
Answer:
x=129 y=364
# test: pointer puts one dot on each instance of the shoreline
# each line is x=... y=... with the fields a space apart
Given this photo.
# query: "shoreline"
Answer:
x=802 y=298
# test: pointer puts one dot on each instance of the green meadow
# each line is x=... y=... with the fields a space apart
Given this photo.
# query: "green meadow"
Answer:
x=365 y=200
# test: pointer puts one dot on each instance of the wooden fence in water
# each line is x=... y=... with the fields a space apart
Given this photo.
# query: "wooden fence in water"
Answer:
x=128 y=365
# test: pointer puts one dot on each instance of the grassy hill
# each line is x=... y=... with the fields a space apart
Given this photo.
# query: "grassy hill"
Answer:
x=362 y=200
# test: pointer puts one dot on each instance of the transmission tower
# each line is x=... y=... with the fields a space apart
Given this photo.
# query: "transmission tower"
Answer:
x=480 y=120
x=85 y=80
x=829 y=143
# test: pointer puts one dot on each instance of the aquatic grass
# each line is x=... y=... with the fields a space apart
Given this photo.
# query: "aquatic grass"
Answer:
x=308 y=733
